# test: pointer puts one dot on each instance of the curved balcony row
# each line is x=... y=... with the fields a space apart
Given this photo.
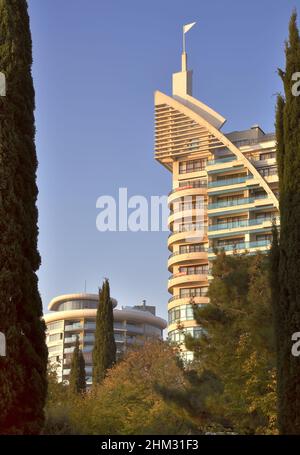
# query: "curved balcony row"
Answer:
x=183 y=278
x=187 y=191
x=177 y=300
x=187 y=214
x=188 y=205
x=186 y=257
x=193 y=236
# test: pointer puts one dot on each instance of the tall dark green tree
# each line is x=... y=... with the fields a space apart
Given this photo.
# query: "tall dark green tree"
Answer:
x=77 y=382
x=23 y=370
x=286 y=257
x=104 y=353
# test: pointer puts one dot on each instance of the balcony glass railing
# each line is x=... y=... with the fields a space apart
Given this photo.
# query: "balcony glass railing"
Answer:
x=236 y=224
x=234 y=202
x=265 y=138
x=189 y=227
x=230 y=203
x=73 y=327
x=227 y=182
x=242 y=246
x=187 y=297
x=227 y=159
x=188 y=251
x=242 y=223
x=89 y=326
x=89 y=339
x=70 y=339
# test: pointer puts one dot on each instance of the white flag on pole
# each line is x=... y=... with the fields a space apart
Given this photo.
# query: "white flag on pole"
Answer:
x=188 y=27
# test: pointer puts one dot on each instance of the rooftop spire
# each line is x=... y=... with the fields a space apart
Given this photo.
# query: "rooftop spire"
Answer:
x=182 y=81
x=185 y=29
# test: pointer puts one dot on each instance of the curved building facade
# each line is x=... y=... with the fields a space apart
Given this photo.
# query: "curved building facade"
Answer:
x=74 y=315
x=224 y=196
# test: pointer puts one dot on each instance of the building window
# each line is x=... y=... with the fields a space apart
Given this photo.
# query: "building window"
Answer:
x=230 y=199
x=192 y=166
x=182 y=313
x=267 y=156
x=198 y=248
x=235 y=220
x=194 y=270
x=57 y=347
x=55 y=325
x=264 y=216
x=232 y=242
x=55 y=337
x=199 y=183
x=178 y=336
x=264 y=237
x=181 y=206
x=193 y=292
x=188 y=227
x=230 y=177
x=267 y=171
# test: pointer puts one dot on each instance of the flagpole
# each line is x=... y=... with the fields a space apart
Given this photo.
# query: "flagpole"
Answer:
x=183 y=40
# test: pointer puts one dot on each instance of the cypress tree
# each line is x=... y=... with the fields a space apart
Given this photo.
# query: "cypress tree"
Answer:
x=104 y=352
x=77 y=383
x=286 y=260
x=23 y=370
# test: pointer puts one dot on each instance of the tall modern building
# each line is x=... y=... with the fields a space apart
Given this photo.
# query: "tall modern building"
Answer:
x=75 y=315
x=225 y=194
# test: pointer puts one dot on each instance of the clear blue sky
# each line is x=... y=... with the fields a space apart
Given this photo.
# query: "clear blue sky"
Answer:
x=96 y=66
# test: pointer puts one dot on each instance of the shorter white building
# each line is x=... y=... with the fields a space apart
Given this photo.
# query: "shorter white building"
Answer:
x=75 y=315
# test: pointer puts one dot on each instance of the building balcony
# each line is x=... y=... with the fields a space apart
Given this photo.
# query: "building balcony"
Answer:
x=71 y=339
x=234 y=224
x=198 y=213
x=241 y=247
x=241 y=226
x=73 y=327
x=237 y=203
x=186 y=257
x=180 y=279
x=90 y=326
x=227 y=159
x=229 y=182
x=184 y=324
x=177 y=300
x=222 y=165
x=194 y=233
x=190 y=189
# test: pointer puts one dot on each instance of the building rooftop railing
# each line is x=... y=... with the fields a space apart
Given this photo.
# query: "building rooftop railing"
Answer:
x=245 y=142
